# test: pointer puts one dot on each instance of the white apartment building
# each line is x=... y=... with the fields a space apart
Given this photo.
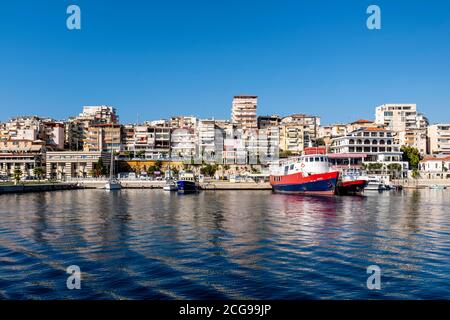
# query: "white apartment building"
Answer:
x=439 y=139
x=210 y=139
x=401 y=118
x=182 y=143
x=243 y=111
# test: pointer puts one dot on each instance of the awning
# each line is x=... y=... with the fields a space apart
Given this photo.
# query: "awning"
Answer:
x=346 y=155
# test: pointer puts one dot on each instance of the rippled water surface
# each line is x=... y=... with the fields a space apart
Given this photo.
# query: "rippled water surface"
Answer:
x=148 y=244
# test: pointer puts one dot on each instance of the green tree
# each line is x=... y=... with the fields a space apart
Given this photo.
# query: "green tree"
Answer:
x=99 y=169
x=17 y=174
x=39 y=172
x=320 y=142
x=140 y=154
x=412 y=156
x=209 y=170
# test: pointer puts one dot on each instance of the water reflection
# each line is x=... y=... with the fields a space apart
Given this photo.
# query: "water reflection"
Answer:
x=224 y=244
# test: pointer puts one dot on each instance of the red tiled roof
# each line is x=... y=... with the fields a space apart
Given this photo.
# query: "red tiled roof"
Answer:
x=431 y=158
x=362 y=121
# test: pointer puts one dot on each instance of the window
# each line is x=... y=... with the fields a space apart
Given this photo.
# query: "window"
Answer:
x=316 y=159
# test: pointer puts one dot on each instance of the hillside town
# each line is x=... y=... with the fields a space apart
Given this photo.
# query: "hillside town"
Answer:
x=399 y=141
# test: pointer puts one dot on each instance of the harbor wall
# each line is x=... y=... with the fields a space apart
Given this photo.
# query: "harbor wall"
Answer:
x=23 y=188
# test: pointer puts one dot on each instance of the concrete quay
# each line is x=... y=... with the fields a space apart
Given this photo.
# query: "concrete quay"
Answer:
x=23 y=188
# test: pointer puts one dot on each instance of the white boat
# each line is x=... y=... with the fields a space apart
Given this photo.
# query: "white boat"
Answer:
x=437 y=187
x=113 y=183
x=375 y=184
x=170 y=186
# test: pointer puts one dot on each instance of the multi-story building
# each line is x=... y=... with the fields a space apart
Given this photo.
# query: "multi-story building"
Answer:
x=400 y=119
x=416 y=138
x=209 y=140
x=183 y=143
x=292 y=138
x=99 y=114
x=439 y=139
x=103 y=137
x=147 y=140
x=188 y=122
x=54 y=135
x=74 y=164
x=243 y=111
x=265 y=122
x=368 y=146
x=310 y=124
x=25 y=155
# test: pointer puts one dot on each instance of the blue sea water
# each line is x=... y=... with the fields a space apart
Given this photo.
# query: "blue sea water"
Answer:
x=151 y=244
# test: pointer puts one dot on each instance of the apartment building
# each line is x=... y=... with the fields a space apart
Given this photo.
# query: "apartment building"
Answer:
x=147 y=140
x=101 y=114
x=401 y=119
x=103 y=137
x=183 y=143
x=210 y=140
x=189 y=122
x=439 y=139
x=265 y=122
x=292 y=138
x=243 y=111
x=310 y=124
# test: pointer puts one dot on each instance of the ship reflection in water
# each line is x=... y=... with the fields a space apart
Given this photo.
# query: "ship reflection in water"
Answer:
x=147 y=244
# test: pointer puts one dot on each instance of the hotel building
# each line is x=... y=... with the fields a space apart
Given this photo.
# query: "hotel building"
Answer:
x=367 y=146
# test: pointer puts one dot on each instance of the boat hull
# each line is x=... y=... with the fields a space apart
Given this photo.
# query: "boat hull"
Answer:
x=319 y=184
x=186 y=186
x=351 y=187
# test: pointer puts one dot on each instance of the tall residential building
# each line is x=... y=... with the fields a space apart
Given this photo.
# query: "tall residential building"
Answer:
x=439 y=139
x=183 y=122
x=402 y=118
x=243 y=111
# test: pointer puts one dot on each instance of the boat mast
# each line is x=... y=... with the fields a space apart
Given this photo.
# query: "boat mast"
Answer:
x=111 y=168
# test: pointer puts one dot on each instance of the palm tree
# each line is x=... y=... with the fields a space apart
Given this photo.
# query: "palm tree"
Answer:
x=17 y=175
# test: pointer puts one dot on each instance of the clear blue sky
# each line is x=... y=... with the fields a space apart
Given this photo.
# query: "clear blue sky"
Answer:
x=162 y=58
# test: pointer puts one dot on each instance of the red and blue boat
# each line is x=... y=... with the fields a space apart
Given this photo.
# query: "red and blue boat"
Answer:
x=306 y=174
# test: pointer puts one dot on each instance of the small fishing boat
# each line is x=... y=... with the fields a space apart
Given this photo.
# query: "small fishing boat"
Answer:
x=187 y=183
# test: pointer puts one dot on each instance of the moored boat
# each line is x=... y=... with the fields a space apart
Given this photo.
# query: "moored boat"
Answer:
x=306 y=174
x=170 y=185
x=187 y=183
x=352 y=182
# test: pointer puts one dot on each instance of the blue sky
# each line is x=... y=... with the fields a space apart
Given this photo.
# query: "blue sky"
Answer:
x=163 y=58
